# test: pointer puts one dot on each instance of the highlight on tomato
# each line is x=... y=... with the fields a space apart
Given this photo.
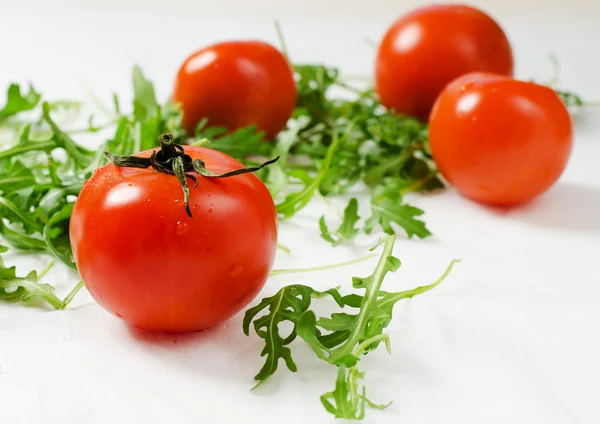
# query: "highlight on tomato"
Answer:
x=174 y=239
x=235 y=84
x=431 y=46
x=498 y=140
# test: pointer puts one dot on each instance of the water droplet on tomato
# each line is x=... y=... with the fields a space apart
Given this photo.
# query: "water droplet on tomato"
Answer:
x=466 y=87
x=210 y=210
x=195 y=207
x=181 y=228
x=148 y=199
x=176 y=200
x=235 y=270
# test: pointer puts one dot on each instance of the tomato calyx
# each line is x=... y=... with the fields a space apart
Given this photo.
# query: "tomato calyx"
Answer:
x=172 y=159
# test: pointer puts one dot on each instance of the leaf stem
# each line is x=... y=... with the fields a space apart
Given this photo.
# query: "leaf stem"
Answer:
x=276 y=272
x=44 y=146
x=361 y=348
x=281 y=39
x=369 y=298
x=71 y=295
x=284 y=248
x=45 y=270
x=394 y=297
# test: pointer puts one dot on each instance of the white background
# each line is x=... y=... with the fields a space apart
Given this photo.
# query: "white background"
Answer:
x=510 y=337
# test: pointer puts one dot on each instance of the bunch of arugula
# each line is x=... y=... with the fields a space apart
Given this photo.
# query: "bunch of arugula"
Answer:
x=333 y=144
x=340 y=339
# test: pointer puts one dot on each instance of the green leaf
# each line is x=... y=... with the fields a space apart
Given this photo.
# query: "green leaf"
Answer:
x=347 y=229
x=296 y=201
x=16 y=177
x=348 y=399
x=287 y=305
x=239 y=144
x=25 y=289
x=56 y=236
x=81 y=156
x=387 y=207
x=145 y=105
x=340 y=339
x=17 y=102
x=338 y=322
x=571 y=100
x=22 y=241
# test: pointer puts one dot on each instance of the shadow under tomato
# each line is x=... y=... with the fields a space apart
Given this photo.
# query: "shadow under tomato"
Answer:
x=168 y=339
x=222 y=352
x=567 y=206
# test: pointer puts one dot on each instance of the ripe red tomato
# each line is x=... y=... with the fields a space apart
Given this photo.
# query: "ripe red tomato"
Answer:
x=431 y=46
x=145 y=260
x=235 y=84
x=498 y=140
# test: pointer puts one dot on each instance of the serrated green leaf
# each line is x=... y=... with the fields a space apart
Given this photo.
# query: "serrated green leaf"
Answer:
x=387 y=207
x=16 y=177
x=145 y=105
x=239 y=144
x=338 y=322
x=347 y=229
x=296 y=201
x=349 y=398
x=287 y=305
x=25 y=289
x=17 y=102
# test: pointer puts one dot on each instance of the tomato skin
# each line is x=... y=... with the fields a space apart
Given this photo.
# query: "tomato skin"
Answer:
x=235 y=84
x=144 y=260
x=498 y=140
x=431 y=46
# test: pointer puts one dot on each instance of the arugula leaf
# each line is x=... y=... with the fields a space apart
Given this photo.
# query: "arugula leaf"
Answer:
x=387 y=207
x=240 y=144
x=17 y=103
x=340 y=339
x=346 y=401
x=347 y=229
x=287 y=305
x=571 y=100
x=296 y=201
x=144 y=100
x=15 y=176
x=29 y=288
x=79 y=154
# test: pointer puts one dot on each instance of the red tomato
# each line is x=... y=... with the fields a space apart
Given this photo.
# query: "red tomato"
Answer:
x=431 y=46
x=235 y=84
x=498 y=140
x=143 y=259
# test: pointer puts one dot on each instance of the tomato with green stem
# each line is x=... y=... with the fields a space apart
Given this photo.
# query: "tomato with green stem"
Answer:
x=235 y=84
x=169 y=261
x=431 y=46
x=498 y=140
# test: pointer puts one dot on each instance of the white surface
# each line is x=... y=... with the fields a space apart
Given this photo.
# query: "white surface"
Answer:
x=510 y=337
